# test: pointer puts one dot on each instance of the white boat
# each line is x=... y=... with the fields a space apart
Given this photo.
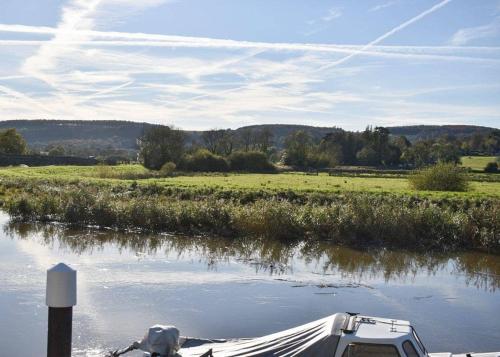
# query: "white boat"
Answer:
x=338 y=335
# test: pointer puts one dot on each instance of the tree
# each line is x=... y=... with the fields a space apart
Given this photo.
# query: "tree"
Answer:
x=331 y=151
x=263 y=140
x=227 y=143
x=445 y=152
x=161 y=144
x=11 y=142
x=219 y=141
x=297 y=146
x=211 y=139
x=381 y=143
x=367 y=156
x=401 y=142
x=492 y=142
x=246 y=138
x=419 y=154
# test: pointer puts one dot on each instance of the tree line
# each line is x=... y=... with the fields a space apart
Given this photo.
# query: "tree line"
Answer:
x=377 y=147
x=254 y=150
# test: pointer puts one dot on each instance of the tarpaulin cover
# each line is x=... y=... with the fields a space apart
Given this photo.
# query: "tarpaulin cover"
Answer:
x=318 y=338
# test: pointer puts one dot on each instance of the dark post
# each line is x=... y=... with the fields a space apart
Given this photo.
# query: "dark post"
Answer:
x=59 y=336
x=60 y=298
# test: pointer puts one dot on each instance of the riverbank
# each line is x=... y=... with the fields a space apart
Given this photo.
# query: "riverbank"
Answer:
x=353 y=218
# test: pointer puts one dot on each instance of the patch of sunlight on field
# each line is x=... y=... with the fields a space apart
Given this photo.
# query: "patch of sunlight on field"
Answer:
x=299 y=182
x=477 y=162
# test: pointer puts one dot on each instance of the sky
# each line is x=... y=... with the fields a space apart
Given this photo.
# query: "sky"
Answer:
x=201 y=64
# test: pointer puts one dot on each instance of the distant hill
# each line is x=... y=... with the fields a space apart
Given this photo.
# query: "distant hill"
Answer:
x=122 y=135
x=40 y=133
x=419 y=132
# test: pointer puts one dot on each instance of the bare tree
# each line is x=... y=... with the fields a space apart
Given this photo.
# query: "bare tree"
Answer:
x=219 y=141
x=246 y=138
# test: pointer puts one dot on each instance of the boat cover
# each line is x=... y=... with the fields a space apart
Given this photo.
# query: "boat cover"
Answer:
x=318 y=338
x=160 y=339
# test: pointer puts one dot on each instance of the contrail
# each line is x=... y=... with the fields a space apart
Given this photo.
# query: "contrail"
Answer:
x=352 y=50
x=387 y=34
x=104 y=91
x=16 y=94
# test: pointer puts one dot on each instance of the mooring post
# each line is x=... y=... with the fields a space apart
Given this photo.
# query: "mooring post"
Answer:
x=60 y=298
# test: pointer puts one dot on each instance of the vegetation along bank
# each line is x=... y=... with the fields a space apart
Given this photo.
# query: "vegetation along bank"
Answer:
x=286 y=207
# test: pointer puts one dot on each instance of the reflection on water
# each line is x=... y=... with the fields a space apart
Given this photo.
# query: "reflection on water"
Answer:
x=480 y=270
x=235 y=288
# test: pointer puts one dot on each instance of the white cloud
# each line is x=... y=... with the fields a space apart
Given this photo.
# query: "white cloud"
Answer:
x=466 y=35
x=383 y=6
x=333 y=13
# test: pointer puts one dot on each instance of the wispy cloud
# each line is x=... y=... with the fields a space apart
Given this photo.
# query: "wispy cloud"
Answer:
x=470 y=34
x=383 y=6
x=323 y=23
x=333 y=13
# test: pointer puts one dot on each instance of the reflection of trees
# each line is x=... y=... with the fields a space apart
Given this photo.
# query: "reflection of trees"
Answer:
x=480 y=270
x=391 y=265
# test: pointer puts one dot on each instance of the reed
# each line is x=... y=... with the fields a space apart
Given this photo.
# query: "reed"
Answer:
x=354 y=219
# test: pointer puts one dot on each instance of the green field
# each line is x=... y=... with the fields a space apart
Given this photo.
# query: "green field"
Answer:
x=477 y=162
x=297 y=182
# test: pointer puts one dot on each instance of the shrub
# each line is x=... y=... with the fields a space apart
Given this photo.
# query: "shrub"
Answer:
x=167 y=169
x=251 y=161
x=491 y=167
x=440 y=177
x=204 y=161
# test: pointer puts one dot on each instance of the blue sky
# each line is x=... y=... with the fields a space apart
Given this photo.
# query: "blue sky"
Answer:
x=199 y=64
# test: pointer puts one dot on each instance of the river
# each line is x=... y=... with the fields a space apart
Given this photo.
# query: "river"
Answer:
x=218 y=288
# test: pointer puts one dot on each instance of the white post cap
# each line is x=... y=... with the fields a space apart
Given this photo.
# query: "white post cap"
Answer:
x=61 y=286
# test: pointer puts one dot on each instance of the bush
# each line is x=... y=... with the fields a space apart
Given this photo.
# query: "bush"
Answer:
x=204 y=161
x=251 y=161
x=440 y=177
x=491 y=167
x=167 y=169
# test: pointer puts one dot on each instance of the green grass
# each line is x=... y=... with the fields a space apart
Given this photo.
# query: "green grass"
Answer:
x=477 y=162
x=297 y=182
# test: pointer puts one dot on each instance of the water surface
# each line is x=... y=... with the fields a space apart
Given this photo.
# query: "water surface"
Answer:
x=218 y=288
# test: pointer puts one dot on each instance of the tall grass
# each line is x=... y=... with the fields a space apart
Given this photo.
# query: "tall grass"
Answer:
x=355 y=219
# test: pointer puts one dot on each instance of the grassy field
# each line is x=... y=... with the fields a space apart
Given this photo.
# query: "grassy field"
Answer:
x=297 y=182
x=477 y=162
